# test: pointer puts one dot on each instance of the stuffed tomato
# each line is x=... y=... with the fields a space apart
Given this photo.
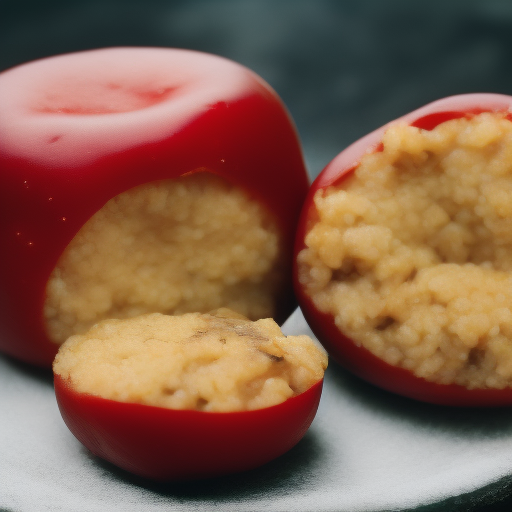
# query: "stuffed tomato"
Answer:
x=137 y=180
x=190 y=396
x=403 y=263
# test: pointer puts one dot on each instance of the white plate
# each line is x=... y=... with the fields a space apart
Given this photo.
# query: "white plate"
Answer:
x=367 y=450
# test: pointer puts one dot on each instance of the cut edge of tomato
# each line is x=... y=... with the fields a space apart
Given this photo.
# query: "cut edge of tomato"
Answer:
x=431 y=121
x=367 y=366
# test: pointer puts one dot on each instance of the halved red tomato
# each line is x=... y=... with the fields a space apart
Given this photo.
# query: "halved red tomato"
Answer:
x=351 y=353
x=78 y=130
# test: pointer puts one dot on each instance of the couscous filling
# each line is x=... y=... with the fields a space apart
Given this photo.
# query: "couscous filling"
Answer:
x=218 y=362
x=412 y=254
x=195 y=243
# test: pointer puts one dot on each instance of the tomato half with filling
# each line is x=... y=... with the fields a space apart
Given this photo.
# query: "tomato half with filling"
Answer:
x=177 y=397
x=81 y=133
x=402 y=254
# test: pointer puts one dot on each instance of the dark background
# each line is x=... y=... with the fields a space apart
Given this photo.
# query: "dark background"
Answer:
x=343 y=67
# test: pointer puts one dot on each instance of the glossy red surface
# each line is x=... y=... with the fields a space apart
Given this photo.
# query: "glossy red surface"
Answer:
x=344 y=350
x=60 y=162
x=165 y=444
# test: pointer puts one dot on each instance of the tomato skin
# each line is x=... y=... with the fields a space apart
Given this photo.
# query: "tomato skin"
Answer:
x=58 y=168
x=170 y=445
x=341 y=348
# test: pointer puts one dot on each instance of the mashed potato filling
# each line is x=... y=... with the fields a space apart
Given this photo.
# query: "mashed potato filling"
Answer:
x=413 y=253
x=194 y=243
x=210 y=362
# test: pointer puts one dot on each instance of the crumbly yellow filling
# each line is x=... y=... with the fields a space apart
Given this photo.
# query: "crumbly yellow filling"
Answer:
x=218 y=362
x=413 y=253
x=194 y=243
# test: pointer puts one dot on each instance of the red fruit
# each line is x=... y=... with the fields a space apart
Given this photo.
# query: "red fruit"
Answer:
x=349 y=352
x=77 y=130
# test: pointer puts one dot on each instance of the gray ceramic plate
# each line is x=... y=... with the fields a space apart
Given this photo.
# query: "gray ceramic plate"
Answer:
x=366 y=450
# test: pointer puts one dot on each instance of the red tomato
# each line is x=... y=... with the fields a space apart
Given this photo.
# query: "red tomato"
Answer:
x=165 y=444
x=77 y=130
x=343 y=350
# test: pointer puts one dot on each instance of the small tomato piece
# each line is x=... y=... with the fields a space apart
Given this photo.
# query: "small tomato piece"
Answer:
x=191 y=396
x=80 y=131
x=436 y=326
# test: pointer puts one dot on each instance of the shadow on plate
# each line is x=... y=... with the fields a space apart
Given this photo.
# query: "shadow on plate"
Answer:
x=297 y=469
x=42 y=375
x=461 y=421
